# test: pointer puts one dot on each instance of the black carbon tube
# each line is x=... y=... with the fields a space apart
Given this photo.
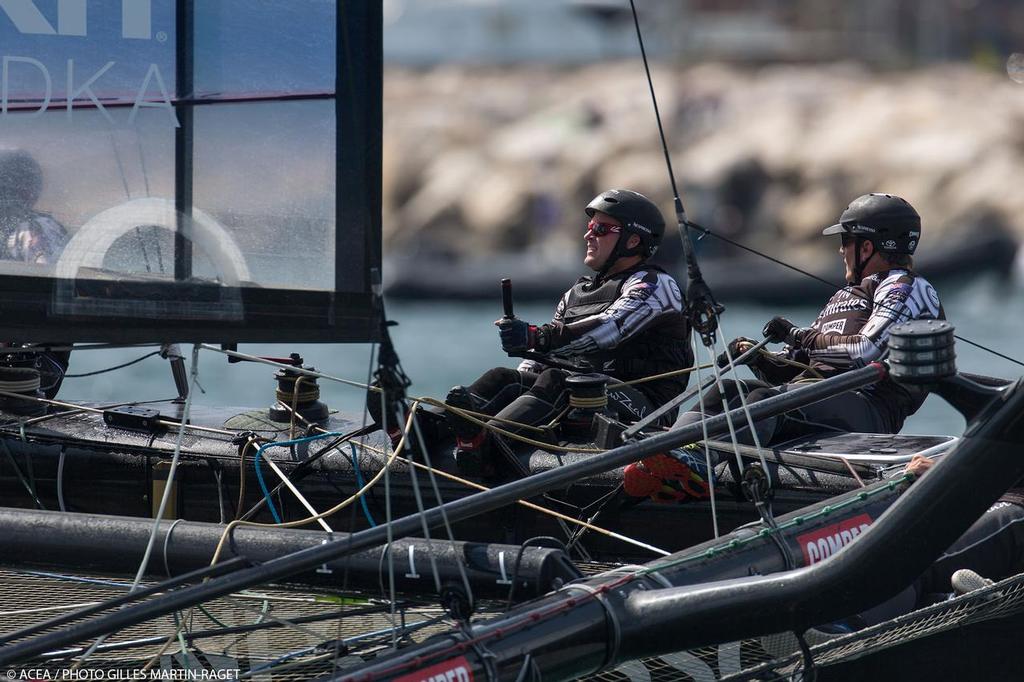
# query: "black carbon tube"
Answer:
x=456 y=511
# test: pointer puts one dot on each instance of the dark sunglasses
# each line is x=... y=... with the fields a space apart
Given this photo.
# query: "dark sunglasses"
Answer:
x=601 y=229
x=848 y=238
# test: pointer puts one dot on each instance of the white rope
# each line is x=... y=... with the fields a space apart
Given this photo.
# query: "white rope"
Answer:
x=707 y=448
x=295 y=491
x=420 y=507
x=168 y=488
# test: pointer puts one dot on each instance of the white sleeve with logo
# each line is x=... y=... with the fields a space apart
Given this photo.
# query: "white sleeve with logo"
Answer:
x=898 y=298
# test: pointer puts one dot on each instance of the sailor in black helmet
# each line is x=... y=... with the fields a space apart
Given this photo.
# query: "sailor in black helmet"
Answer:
x=25 y=234
x=626 y=321
x=878 y=235
x=28 y=236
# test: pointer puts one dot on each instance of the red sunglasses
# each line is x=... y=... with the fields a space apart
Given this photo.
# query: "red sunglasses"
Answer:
x=601 y=229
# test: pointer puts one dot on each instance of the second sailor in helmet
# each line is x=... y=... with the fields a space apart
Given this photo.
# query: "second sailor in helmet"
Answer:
x=878 y=236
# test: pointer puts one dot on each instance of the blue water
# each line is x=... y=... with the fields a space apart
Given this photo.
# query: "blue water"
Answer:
x=446 y=343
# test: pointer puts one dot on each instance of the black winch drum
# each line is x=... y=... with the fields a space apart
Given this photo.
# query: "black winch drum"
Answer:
x=922 y=351
x=588 y=396
x=25 y=381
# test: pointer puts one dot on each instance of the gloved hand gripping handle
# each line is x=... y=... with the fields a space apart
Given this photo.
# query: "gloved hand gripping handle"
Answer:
x=506 y=298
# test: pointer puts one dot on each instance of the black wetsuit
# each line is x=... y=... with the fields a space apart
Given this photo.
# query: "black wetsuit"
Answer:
x=993 y=547
x=628 y=327
x=849 y=332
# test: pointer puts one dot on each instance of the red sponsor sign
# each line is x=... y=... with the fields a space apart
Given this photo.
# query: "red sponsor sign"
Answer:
x=452 y=670
x=821 y=544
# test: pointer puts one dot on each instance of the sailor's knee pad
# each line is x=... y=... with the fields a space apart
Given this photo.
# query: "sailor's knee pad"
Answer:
x=493 y=380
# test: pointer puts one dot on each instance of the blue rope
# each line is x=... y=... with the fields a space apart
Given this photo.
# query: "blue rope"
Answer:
x=283 y=443
x=359 y=486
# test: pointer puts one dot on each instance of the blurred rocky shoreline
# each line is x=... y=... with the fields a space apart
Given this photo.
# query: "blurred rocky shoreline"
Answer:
x=482 y=163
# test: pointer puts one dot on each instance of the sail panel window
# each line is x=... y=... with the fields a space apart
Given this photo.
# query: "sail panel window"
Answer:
x=195 y=187
x=265 y=172
x=246 y=48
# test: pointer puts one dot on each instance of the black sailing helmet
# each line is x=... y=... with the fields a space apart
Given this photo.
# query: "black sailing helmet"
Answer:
x=638 y=216
x=885 y=220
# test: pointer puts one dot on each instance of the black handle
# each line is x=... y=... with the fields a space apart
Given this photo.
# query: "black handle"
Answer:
x=506 y=297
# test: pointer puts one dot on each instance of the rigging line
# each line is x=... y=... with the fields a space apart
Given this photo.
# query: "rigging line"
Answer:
x=48 y=347
x=359 y=482
x=96 y=410
x=420 y=507
x=832 y=285
x=92 y=608
x=707 y=452
x=746 y=410
x=298 y=370
x=77 y=410
x=284 y=477
x=299 y=471
x=529 y=505
x=655 y=377
x=440 y=502
x=505 y=432
x=24 y=482
x=111 y=369
x=481 y=417
x=657 y=113
x=362 y=499
x=215 y=632
x=701 y=309
x=333 y=510
x=168 y=488
x=387 y=513
x=720 y=385
x=686 y=223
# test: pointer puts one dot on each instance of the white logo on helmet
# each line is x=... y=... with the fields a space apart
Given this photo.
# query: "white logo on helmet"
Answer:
x=638 y=226
x=912 y=244
x=889 y=244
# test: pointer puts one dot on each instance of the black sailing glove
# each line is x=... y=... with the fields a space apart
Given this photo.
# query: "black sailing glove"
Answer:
x=516 y=335
x=780 y=330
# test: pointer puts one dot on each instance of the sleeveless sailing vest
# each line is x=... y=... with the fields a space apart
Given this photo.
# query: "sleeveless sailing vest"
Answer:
x=662 y=346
